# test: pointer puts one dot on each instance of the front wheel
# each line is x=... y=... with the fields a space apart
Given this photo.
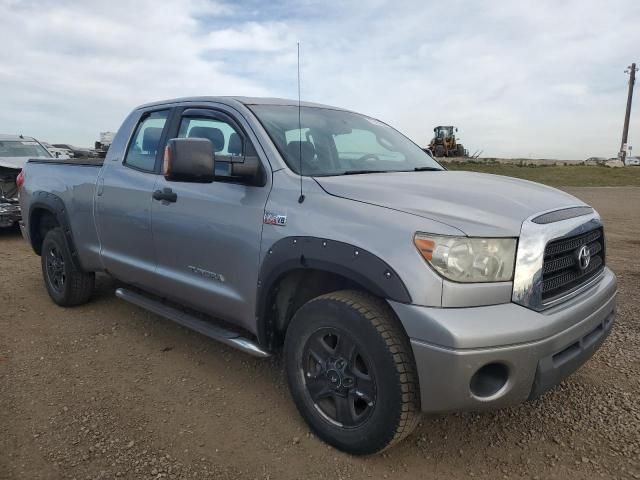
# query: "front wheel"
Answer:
x=351 y=372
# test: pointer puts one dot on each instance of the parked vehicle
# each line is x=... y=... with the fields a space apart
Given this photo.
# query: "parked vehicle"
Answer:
x=66 y=151
x=15 y=150
x=392 y=285
x=77 y=151
x=632 y=161
x=57 y=152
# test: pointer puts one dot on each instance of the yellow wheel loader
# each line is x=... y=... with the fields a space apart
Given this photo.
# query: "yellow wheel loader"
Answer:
x=445 y=144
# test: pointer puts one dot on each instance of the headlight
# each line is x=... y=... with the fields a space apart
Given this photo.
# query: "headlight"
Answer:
x=469 y=260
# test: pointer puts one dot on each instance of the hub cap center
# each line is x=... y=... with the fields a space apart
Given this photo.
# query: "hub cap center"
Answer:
x=335 y=379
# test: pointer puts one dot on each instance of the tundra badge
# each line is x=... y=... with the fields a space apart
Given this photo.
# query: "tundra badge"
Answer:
x=206 y=273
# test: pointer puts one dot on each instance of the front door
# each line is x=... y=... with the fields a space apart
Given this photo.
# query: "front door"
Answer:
x=123 y=204
x=207 y=242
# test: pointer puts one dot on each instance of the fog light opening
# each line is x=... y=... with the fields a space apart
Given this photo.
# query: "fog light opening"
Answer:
x=489 y=380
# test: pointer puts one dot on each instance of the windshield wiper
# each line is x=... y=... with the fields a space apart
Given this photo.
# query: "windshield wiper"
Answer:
x=416 y=169
x=358 y=172
x=427 y=169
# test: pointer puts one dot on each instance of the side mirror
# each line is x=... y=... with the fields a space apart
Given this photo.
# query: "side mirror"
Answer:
x=188 y=160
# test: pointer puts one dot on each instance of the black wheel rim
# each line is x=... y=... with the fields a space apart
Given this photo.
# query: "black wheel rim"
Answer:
x=55 y=268
x=339 y=378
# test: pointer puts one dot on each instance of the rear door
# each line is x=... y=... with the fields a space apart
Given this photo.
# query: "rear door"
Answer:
x=123 y=202
x=207 y=242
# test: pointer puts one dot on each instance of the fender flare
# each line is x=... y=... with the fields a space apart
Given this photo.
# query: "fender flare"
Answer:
x=53 y=204
x=349 y=261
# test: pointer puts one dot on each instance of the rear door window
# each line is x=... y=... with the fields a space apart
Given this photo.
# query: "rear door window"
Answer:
x=144 y=146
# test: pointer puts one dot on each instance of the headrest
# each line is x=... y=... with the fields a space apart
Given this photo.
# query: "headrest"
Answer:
x=151 y=139
x=308 y=150
x=235 y=144
x=214 y=134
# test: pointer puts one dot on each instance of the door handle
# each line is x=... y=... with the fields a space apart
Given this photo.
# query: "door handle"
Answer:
x=165 y=195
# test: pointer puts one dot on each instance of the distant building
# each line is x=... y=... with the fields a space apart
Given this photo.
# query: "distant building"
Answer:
x=106 y=137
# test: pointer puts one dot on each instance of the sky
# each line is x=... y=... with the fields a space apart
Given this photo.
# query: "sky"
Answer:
x=523 y=79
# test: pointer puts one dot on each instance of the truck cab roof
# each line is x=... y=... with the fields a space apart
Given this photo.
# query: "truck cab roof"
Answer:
x=231 y=100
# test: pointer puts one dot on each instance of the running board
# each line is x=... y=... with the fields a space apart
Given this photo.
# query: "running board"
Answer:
x=216 y=332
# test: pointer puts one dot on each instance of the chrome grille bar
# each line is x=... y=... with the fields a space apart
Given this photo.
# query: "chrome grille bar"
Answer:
x=529 y=276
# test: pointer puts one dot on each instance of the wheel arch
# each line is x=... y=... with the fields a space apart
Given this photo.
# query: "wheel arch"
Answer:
x=297 y=269
x=48 y=211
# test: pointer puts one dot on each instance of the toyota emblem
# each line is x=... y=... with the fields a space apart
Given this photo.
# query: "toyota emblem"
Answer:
x=584 y=257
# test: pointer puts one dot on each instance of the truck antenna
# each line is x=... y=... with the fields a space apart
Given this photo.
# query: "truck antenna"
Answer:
x=301 y=198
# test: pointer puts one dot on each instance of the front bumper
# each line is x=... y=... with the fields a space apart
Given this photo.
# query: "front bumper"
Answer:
x=9 y=214
x=524 y=352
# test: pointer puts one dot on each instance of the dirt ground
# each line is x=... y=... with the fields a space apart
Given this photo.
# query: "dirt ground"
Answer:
x=108 y=390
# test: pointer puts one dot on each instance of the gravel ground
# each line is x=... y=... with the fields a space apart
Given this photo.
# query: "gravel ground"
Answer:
x=108 y=390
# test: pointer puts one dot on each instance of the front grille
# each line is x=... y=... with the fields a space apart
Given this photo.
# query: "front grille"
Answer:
x=561 y=272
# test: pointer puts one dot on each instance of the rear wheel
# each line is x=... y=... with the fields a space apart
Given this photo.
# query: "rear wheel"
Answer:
x=66 y=284
x=351 y=372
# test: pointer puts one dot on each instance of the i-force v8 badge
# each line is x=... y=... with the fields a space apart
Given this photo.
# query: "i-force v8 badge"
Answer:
x=275 y=219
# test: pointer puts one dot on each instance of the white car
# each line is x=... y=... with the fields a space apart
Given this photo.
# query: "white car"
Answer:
x=57 y=152
x=633 y=161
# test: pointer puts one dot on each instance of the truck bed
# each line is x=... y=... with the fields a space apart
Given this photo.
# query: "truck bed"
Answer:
x=73 y=182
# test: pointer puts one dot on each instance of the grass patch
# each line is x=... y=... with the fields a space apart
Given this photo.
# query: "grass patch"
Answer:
x=558 y=175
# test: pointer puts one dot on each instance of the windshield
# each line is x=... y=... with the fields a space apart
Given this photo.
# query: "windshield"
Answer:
x=335 y=142
x=22 y=148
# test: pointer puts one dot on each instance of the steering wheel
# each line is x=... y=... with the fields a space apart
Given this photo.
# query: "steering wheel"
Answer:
x=369 y=157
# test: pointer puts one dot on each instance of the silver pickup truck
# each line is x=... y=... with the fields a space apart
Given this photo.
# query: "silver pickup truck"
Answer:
x=393 y=286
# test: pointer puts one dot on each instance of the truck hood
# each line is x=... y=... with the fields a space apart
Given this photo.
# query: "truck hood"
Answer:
x=13 y=162
x=477 y=204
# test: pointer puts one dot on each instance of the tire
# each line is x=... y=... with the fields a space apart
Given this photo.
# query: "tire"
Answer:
x=351 y=372
x=66 y=284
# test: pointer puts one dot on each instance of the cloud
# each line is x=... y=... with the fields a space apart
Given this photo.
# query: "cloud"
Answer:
x=251 y=36
x=69 y=70
x=571 y=89
x=538 y=79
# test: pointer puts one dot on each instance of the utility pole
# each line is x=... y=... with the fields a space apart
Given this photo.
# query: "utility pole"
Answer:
x=631 y=70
